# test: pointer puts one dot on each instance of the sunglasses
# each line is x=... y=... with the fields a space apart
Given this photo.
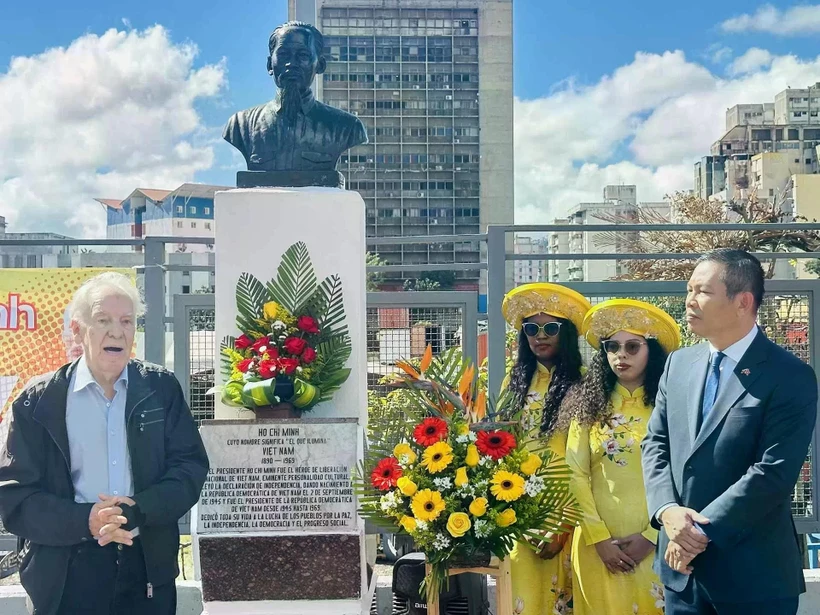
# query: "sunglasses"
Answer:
x=550 y=329
x=632 y=347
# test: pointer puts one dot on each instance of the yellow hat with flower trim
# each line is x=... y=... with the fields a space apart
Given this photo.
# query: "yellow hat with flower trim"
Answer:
x=632 y=316
x=544 y=298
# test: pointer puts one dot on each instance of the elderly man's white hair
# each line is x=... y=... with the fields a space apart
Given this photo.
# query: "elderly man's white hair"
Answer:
x=108 y=284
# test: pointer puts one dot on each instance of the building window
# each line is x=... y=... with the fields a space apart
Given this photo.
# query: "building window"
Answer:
x=207 y=226
x=180 y=209
x=186 y=290
x=192 y=210
x=207 y=211
x=193 y=224
x=31 y=261
x=179 y=223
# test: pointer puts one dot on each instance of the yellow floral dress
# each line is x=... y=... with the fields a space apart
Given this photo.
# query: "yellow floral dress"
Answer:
x=607 y=482
x=541 y=586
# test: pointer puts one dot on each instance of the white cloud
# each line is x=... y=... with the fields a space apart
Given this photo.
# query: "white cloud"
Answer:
x=718 y=54
x=754 y=59
x=794 y=21
x=99 y=118
x=644 y=124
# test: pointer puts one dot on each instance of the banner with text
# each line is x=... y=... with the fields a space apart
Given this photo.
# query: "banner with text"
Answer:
x=35 y=332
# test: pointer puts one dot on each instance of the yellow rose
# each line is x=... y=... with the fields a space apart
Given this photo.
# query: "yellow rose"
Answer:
x=463 y=430
x=404 y=450
x=478 y=507
x=458 y=524
x=407 y=486
x=472 y=456
x=461 y=477
x=505 y=518
x=532 y=464
x=270 y=310
x=408 y=523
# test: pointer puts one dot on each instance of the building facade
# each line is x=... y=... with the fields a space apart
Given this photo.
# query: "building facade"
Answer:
x=432 y=82
x=528 y=271
x=32 y=257
x=619 y=205
x=789 y=126
x=187 y=211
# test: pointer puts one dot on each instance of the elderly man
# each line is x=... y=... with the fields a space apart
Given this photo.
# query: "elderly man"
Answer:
x=294 y=131
x=101 y=460
x=732 y=423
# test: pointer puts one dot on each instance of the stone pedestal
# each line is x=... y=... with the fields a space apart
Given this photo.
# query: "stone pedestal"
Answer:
x=276 y=529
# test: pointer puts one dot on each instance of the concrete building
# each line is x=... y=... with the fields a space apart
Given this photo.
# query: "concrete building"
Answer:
x=187 y=211
x=619 y=202
x=789 y=126
x=432 y=82
x=806 y=203
x=529 y=271
x=31 y=257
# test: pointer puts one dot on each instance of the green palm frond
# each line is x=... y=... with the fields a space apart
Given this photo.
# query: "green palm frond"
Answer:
x=330 y=368
x=250 y=297
x=295 y=282
x=327 y=305
x=225 y=360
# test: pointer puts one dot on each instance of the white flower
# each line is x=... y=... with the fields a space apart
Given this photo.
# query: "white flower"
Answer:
x=621 y=463
x=299 y=369
x=404 y=460
x=612 y=447
x=484 y=461
x=519 y=606
x=630 y=442
x=421 y=526
x=282 y=338
x=444 y=482
x=534 y=486
x=617 y=419
x=389 y=501
x=441 y=542
x=463 y=439
x=481 y=528
x=278 y=325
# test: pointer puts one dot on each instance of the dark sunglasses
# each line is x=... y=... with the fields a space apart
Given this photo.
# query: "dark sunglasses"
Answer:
x=550 y=329
x=632 y=347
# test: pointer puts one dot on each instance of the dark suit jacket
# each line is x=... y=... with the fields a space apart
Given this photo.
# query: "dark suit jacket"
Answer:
x=739 y=469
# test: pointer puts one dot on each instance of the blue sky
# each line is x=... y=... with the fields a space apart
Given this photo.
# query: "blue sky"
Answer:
x=581 y=119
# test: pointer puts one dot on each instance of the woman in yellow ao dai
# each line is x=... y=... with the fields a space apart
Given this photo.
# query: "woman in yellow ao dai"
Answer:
x=548 y=318
x=612 y=551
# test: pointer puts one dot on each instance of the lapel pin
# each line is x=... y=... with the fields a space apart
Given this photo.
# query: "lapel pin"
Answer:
x=745 y=372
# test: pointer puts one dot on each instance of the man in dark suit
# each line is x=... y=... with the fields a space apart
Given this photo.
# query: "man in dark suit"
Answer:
x=732 y=424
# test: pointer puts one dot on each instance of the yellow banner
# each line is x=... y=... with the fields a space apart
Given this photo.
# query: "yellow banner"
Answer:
x=35 y=333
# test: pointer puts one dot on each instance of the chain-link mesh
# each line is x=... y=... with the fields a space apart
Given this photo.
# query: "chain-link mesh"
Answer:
x=202 y=361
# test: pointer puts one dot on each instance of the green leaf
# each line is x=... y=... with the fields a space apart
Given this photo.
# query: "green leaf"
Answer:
x=250 y=297
x=295 y=282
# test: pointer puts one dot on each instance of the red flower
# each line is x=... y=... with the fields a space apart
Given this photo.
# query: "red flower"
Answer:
x=307 y=324
x=288 y=365
x=308 y=356
x=242 y=342
x=268 y=369
x=386 y=473
x=430 y=431
x=258 y=345
x=495 y=444
x=243 y=365
x=295 y=345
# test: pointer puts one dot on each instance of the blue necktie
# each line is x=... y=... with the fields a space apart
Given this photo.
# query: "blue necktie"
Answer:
x=710 y=391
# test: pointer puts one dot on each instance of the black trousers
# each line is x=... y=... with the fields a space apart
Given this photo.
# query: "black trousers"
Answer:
x=693 y=601
x=111 y=580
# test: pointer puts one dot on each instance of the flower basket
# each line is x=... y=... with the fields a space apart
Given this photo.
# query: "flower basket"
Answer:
x=462 y=485
x=294 y=343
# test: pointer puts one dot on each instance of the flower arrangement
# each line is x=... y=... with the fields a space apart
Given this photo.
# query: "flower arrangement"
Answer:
x=293 y=345
x=461 y=488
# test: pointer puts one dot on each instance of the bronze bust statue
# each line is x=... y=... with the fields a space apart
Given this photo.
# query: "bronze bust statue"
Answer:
x=294 y=140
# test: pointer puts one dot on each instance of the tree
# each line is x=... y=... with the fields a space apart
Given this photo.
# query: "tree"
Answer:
x=813 y=267
x=690 y=209
x=373 y=280
x=421 y=284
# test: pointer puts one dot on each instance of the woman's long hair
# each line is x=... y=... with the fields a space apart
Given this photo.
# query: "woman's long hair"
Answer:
x=589 y=403
x=567 y=372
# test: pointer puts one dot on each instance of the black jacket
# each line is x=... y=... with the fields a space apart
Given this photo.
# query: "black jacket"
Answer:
x=168 y=462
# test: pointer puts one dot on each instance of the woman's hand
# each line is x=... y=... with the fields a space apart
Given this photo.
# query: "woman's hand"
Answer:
x=615 y=560
x=553 y=545
x=636 y=546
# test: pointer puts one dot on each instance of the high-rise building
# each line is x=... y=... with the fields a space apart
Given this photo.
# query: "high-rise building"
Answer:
x=619 y=205
x=432 y=82
x=527 y=271
x=789 y=126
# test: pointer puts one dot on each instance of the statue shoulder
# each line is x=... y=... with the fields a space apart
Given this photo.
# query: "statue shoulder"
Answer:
x=352 y=127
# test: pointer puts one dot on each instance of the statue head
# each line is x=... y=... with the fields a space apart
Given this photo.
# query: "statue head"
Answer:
x=296 y=55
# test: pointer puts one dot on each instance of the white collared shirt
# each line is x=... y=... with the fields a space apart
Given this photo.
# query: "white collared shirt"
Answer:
x=734 y=354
